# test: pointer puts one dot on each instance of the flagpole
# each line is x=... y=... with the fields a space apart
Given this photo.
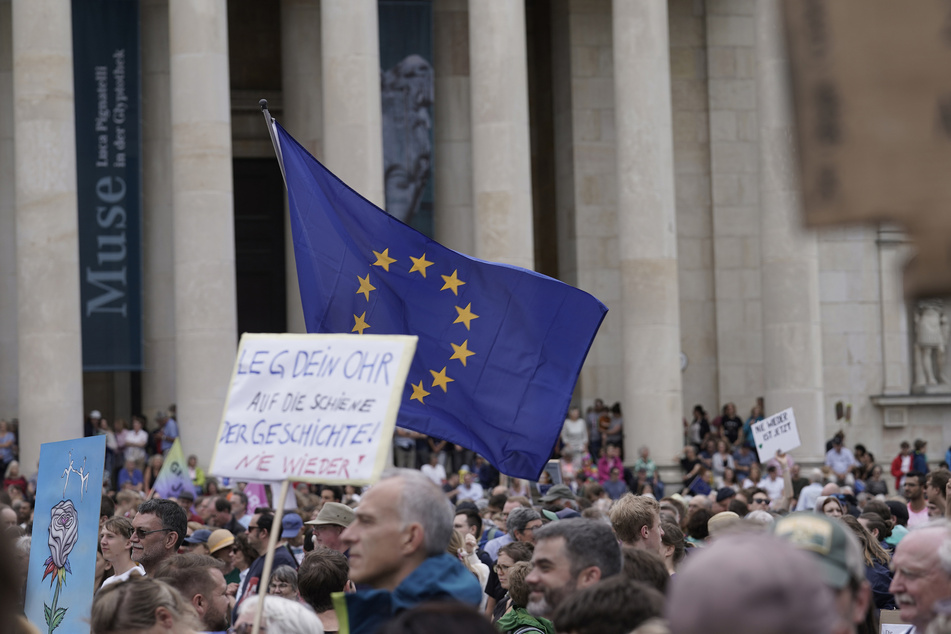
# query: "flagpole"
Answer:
x=270 y=128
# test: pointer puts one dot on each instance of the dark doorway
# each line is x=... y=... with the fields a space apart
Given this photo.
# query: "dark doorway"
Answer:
x=259 y=245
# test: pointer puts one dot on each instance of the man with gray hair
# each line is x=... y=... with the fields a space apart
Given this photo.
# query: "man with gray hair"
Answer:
x=922 y=577
x=809 y=493
x=520 y=523
x=569 y=555
x=398 y=545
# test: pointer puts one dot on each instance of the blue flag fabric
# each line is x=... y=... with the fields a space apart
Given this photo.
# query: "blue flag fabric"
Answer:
x=500 y=347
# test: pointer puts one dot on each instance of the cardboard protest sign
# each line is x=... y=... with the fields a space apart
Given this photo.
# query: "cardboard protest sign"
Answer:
x=65 y=534
x=776 y=433
x=312 y=408
x=892 y=623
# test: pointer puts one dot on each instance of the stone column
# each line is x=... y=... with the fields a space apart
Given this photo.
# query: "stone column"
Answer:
x=303 y=113
x=350 y=61
x=452 y=170
x=501 y=160
x=50 y=343
x=158 y=261
x=647 y=229
x=205 y=307
x=792 y=337
x=9 y=379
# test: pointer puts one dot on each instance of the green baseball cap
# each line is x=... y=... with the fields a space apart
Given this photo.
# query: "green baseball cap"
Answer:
x=832 y=542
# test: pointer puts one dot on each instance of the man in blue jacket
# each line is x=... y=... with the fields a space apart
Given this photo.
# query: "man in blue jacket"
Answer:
x=398 y=548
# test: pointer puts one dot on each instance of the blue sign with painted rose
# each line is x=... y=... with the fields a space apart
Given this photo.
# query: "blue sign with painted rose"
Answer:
x=60 y=581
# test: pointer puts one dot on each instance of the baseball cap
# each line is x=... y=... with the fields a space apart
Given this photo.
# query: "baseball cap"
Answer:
x=721 y=521
x=725 y=493
x=291 y=524
x=186 y=495
x=199 y=537
x=567 y=514
x=220 y=538
x=333 y=513
x=558 y=492
x=832 y=542
x=95 y=414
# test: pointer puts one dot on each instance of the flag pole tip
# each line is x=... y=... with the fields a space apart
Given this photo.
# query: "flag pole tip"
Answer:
x=263 y=104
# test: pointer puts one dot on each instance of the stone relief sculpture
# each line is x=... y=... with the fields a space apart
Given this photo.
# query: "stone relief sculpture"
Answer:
x=407 y=95
x=932 y=330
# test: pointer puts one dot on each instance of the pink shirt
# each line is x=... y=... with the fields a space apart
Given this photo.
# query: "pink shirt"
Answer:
x=914 y=519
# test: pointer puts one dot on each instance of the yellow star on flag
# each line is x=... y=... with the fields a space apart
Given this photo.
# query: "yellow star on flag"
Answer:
x=461 y=352
x=360 y=323
x=365 y=286
x=452 y=283
x=384 y=260
x=440 y=379
x=465 y=315
x=420 y=264
x=419 y=393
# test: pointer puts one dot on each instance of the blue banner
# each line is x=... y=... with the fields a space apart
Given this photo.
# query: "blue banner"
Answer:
x=107 y=84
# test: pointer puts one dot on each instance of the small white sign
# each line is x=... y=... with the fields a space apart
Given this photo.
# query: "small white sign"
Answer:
x=778 y=432
x=312 y=408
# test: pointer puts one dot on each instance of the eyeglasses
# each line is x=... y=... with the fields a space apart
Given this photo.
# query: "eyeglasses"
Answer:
x=278 y=586
x=760 y=500
x=500 y=568
x=141 y=534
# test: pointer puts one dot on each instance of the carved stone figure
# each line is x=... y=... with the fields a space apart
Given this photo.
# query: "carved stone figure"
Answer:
x=407 y=94
x=931 y=339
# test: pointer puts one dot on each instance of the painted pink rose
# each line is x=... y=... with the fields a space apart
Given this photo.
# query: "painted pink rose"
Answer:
x=64 y=531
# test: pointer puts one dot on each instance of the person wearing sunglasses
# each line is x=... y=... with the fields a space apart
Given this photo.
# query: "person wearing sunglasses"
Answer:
x=158 y=530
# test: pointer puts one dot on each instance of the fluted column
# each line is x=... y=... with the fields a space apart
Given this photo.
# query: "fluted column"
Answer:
x=9 y=379
x=205 y=307
x=452 y=170
x=647 y=228
x=303 y=113
x=792 y=334
x=350 y=62
x=501 y=160
x=158 y=257
x=50 y=343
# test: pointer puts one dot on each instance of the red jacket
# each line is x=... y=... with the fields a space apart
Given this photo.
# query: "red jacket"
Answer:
x=897 y=472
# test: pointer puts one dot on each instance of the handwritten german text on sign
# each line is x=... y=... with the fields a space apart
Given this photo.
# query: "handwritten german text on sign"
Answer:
x=312 y=408
x=778 y=432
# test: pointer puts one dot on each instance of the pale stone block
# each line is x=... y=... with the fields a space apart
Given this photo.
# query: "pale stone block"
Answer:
x=592 y=93
x=591 y=29
x=747 y=126
x=607 y=125
x=727 y=287
x=736 y=221
x=605 y=62
x=692 y=160
x=683 y=63
x=735 y=157
x=693 y=189
x=730 y=30
x=686 y=32
x=693 y=225
x=728 y=252
x=723 y=125
x=688 y=95
x=731 y=7
x=452 y=120
x=689 y=256
x=722 y=62
x=745 y=62
x=732 y=94
x=695 y=284
x=585 y=61
x=832 y=286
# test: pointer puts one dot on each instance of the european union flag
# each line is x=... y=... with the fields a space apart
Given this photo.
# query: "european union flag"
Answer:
x=500 y=347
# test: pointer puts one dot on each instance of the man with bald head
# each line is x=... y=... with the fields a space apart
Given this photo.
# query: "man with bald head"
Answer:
x=922 y=572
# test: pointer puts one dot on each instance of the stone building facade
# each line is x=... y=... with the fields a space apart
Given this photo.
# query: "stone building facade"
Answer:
x=638 y=149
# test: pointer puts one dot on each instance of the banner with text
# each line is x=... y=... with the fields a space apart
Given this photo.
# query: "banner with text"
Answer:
x=312 y=408
x=107 y=80
x=776 y=433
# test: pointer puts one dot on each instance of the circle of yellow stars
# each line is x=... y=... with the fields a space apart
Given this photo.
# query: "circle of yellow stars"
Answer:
x=464 y=316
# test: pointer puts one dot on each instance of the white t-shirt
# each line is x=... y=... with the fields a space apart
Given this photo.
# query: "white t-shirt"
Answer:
x=437 y=474
x=473 y=492
x=135 y=570
x=773 y=488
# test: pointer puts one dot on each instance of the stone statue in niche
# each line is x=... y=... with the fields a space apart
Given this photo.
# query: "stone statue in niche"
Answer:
x=407 y=94
x=932 y=330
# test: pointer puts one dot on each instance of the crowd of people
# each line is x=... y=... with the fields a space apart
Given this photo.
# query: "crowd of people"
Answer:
x=735 y=546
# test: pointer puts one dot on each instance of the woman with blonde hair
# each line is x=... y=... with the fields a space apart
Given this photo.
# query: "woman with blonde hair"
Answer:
x=464 y=548
x=142 y=605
